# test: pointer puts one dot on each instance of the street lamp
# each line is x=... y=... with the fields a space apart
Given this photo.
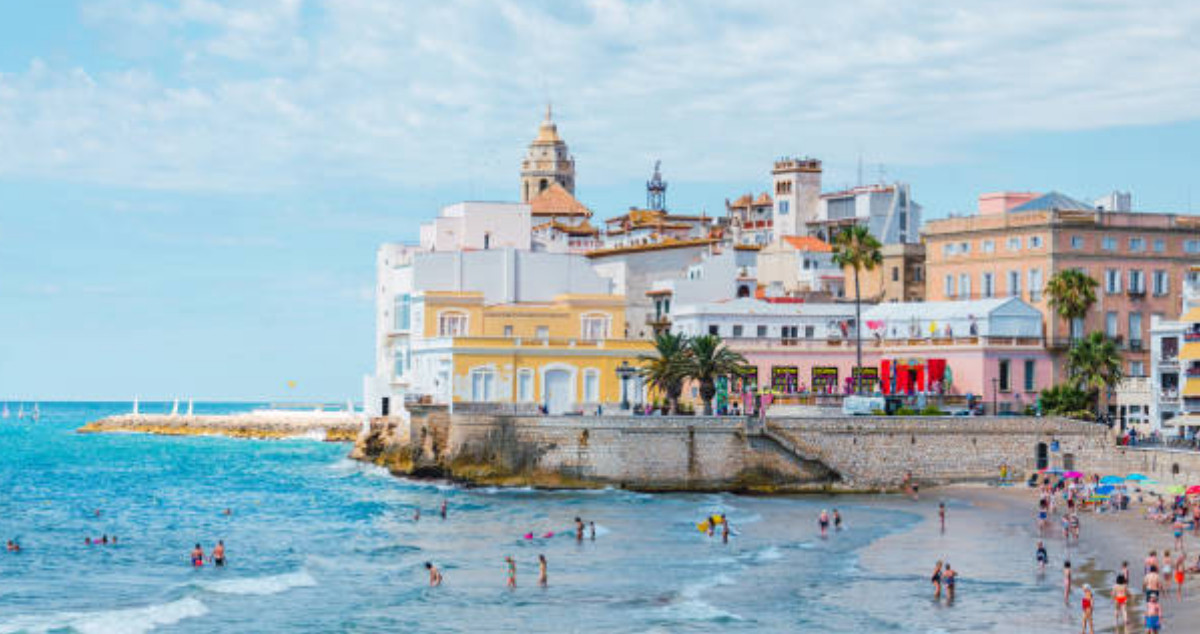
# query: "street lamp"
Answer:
x=995 y=396
x=625 y=372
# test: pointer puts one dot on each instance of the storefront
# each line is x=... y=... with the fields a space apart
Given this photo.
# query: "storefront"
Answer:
x=825 y=379
x=785 y=379
x=912 y=376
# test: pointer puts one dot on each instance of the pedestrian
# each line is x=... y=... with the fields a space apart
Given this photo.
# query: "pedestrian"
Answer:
x=512 y=572
x=937 y=580
x=1120 y=595
x=1088 y=624
x=1067 y=581
x=542 y=571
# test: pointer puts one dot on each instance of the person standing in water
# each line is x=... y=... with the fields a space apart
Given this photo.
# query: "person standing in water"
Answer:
x=578 y=530
x=1067 y=581
x=443 y=508
x=218 y=554
x=1088 y=624
x=417 y=514
x=724 y=529
x=837 y=520
x=1120 y=596
x=512 y=572
x=942 y=514
x=1153 y=615
x=823 y=522
x=592 y=530
x=197 y=556
x=435 y=575
x=1180 y=574
x=1152 y=584
x=950 y=577
x=937 y=580
x=1042 y=557
x=542 y=571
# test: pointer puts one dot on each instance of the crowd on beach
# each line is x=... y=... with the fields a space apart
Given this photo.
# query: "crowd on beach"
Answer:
x=1070 y=494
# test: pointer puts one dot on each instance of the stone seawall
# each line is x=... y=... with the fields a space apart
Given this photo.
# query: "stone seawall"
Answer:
x=328 y=426
x=710 y=453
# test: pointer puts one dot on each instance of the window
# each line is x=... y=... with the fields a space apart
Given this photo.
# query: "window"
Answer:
x=809 y=331
x=788 y=332
x=400 y=360
x=1076 y=328
x=964 y=286
x=762 y=331
x=1109 y=243
x=452 y=324
x=1035 y=285
x=783 y=207
x=1014 y=243
x=1137 y=281
x=1162 y=283
x=525 y=385
x=1035 y=242
x=964 y=247
x=1137 y=244
x=1112 y=281
x=1014 y=283
x=714 y=330
x=482 y=385
x=591 y=386
x=401 y=308
x=1030 y=374
x=1192 y=246
x=1076 y=242
x=948 y=249
x=737 y=330
x=508 y=331
x=1160 y=245
x=542 y=332
x=949 y=290
x=989 y=246
x=1135 y=329
x=595 y=327
x=1005 y=376
x=1110 y=324
x=895 y=274
x=988 y=282
x=1137 y=368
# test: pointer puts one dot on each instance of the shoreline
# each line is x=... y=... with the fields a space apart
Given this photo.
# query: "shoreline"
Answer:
x=258 y=425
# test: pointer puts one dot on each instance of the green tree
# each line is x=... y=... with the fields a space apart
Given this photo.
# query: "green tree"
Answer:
x=1094 y=365
x=1071 y=294
x=710 y=358
x=666 y=369
x=856 y=248
x=1064 y=399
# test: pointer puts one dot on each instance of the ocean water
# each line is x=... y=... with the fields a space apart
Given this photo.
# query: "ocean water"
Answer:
x=319 y=543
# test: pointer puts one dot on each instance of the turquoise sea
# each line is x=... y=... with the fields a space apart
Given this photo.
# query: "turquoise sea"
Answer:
x=319 y=543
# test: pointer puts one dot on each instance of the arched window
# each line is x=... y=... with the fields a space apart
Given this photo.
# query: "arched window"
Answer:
x=542 y=185
x=743 y=291
x=452 y=323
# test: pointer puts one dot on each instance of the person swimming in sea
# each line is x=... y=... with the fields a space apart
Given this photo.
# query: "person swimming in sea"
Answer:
x=13 y=546
x=542 y=580
x=218 y=554
x=435 y=575
x=512 y=572
x=197 y=556
x=417 y=515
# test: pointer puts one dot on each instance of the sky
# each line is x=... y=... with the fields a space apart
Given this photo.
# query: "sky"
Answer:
x=192 y=192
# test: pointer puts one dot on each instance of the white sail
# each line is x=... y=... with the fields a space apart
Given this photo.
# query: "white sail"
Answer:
x=21 y=412
x=37 y=413
x=135 y=406
x=189 y=407
x=6 y=414
x=175 y=408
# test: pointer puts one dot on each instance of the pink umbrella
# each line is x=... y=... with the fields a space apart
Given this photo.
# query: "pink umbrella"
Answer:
x=1072 y=474
x=1194 y=489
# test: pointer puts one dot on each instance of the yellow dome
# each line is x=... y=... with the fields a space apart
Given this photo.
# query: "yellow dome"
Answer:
x=548 y=132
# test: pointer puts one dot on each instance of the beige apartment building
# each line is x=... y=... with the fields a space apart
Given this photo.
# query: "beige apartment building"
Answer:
x=1017 y=241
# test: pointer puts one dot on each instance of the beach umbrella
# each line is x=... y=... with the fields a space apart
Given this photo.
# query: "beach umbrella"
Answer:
x=1194 y=489
x=1104 y=490
x=1072 y=474
x=1136 y=477
x=1176 y=490
x=1111 y=480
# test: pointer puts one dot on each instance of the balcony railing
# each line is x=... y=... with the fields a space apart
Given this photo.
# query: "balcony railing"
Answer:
x=1136 y=292
x=1135 y=345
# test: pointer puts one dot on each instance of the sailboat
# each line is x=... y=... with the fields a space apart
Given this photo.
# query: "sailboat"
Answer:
x=37 y=413
x=6 y=414
x=21 y=412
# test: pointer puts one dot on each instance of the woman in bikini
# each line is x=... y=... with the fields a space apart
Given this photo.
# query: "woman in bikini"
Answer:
x=937 y=580
x=1087 y=610
x=1120 y=595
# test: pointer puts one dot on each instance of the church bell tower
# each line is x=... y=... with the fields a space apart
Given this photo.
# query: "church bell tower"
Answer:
x=548 y=161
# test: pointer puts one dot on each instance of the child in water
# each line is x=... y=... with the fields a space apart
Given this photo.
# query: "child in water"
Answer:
x=1153 y=615
x=197 y=556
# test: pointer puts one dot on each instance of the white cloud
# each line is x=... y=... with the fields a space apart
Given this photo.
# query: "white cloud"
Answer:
x=261 y=95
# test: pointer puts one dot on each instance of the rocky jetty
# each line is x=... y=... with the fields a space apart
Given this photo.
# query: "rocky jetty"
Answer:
x=264 y=424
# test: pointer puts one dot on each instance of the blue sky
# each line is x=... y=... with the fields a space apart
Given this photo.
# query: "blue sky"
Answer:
x=191 y=192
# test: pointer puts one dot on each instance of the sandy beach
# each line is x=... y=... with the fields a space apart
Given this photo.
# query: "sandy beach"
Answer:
x=991 y=538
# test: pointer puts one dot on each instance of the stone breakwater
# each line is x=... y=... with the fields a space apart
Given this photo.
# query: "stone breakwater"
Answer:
x=722 y=453
x=266 y=424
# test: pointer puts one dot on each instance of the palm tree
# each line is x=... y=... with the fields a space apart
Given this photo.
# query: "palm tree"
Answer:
x=666 y=369
x=1094 y=364
x=1071 y=294
x=711 y=358
x=856 y=248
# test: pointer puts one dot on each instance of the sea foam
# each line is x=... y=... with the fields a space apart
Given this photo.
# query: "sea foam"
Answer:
x=123 y=621
x=272 y=584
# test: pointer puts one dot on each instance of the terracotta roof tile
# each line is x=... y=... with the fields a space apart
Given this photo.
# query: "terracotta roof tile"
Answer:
x=808 y=243
x=556 y=201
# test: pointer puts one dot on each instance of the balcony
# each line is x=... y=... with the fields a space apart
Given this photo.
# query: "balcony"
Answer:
x=1135 y=345
x=1136 y=293
x=658 y=321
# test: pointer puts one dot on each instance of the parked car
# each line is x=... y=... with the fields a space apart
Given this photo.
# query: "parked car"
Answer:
x=863 y=405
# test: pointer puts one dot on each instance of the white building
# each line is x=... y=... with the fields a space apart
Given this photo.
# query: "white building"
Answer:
x=888 y=211
x=406 y=274
x=756 y=319
x=718 y=275
x=797 y=186
x=1008 y=317
x=798 y=265
x=478 y=225
x=1175 y=366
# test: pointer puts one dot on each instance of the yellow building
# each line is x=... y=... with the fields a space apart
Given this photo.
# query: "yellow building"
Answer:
x=560 y=354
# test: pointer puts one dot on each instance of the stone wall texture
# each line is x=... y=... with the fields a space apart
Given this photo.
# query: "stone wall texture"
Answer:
x=707 y=453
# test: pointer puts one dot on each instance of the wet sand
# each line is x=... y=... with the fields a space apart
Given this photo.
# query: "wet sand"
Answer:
x=991 y=538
